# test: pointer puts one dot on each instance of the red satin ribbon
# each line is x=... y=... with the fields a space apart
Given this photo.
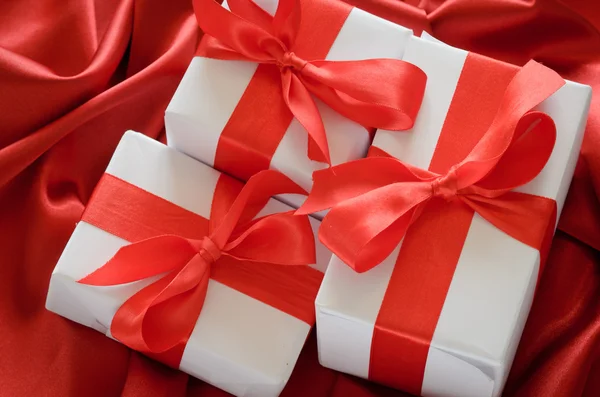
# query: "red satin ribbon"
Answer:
x=264 y=258
x=378 y=201
x=381 y=93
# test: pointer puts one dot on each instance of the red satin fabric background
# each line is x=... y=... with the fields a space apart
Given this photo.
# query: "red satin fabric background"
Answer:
x=75 y=74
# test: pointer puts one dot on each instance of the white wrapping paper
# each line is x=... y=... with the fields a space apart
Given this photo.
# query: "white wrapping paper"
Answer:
x=211 y=89
x=256 y=362
x=490 y=295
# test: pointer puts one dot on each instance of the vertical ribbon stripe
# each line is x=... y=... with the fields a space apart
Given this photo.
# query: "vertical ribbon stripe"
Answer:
x=261 y=118
x=133 y=214
x=255 y=128
x=421 y=277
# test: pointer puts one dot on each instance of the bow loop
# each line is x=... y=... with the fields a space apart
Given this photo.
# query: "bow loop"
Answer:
x=283 y=239
x=528 y=88
x=364 y=230
x=252 y=198
x=355 y=178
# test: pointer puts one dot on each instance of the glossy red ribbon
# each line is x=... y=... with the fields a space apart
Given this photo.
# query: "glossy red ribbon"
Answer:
x=381 y=93
x=380 y=200
x=159 y=319
x=374 y=201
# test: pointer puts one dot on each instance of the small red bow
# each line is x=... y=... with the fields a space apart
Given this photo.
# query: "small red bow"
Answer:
x=374 y=201
x=163 y=314
x=380 y=93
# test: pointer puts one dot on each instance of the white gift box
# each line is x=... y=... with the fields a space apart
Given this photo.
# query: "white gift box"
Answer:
x=255 y=362
x=211 y=89
x=492 y=289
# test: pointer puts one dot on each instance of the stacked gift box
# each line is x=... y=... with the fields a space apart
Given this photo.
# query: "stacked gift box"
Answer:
x=443 y=173
x=443 y=315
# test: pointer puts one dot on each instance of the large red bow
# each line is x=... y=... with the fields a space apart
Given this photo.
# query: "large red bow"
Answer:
x=373 y=201
x=163 y=314
x=380 y=93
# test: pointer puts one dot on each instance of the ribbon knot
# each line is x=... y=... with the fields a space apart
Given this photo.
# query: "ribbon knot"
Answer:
x=209 y=251
x=290 y=60
x=445 y=186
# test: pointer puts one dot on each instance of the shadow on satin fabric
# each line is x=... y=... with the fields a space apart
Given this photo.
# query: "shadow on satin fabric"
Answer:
x=74 y=75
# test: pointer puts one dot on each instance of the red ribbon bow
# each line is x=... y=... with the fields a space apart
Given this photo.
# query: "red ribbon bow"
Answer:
x=162 y=315
x=374 y=201
x=380 y=93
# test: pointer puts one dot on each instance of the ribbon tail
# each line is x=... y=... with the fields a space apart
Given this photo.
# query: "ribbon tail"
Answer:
x=141 y=260
x=162 y=315
x=126 y=325
x=303 y=107
x=525 y=217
